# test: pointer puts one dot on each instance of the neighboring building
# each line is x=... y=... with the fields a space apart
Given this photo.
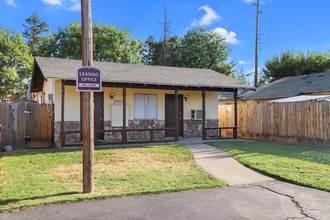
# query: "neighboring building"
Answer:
x=149 y=94
x=304 y=98
x=228 y=97
x=316 y=85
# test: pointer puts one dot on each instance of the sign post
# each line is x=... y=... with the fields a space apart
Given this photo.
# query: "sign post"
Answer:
x=87 y=98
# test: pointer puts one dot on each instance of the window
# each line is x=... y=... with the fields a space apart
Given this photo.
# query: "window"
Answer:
x=145 y=106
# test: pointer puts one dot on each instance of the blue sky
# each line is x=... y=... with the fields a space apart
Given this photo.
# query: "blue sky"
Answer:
x=284 y=24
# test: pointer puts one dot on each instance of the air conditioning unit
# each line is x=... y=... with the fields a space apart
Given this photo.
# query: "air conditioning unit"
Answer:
x=50 y=98
x=197 y=114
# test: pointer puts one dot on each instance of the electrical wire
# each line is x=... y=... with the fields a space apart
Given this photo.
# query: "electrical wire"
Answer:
x=277 y=6
x=242 y=22
x=233 y=15
x=250 y=17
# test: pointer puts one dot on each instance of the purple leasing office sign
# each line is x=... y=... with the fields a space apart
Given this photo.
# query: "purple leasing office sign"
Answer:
x=88 y=79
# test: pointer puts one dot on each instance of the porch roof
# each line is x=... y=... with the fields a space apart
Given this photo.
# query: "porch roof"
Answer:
x=58 y=68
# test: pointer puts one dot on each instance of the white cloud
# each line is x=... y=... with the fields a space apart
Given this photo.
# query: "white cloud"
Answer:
x=76 y=6
x=72 y=5
x=11 y=3
x=208 y=18
x=248 y=1
x=230 y=37
x=53 y=2
x=243 y=62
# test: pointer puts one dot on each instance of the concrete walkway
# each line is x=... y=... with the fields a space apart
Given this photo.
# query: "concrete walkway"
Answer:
x=223 y=166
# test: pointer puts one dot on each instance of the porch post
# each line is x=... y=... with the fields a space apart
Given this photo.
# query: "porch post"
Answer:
x=124 y=134
x=203 y=115
x=177 y=117
x=62 y=135
x=235 y=100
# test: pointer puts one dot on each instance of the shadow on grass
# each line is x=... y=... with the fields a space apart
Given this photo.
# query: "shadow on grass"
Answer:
x=78 y=149
x=7 y=201
x=316 y=154
x=310 y=153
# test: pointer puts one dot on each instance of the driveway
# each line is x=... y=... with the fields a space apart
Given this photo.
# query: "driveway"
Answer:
x=267 y=200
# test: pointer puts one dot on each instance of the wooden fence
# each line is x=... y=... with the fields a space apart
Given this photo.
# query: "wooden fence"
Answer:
x=301 y=122
x=27 y=125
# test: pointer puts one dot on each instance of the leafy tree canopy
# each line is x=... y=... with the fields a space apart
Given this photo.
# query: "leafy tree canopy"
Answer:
x=15 y=63
x=110 y=44
x=34 y=27
x=202 y=49
x=292 y=63
x=156 y=53
x=198 y=48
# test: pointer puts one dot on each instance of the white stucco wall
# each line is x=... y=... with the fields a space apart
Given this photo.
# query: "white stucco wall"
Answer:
x=72 y=102
x=48 y=88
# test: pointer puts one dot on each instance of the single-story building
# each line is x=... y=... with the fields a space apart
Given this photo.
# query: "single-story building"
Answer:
x=138 y=103
x=304 y=98
x=308 y=87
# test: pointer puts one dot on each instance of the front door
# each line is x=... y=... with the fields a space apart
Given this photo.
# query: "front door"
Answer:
x=98 y=115
x=170 y=119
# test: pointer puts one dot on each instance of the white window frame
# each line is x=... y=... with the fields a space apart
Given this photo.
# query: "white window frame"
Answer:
x=145 y=106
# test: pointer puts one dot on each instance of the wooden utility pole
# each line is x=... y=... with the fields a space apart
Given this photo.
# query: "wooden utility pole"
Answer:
x=87 y=100
x=256 y=52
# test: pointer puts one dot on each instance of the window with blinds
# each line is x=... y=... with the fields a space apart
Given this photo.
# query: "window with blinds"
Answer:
x=145 y=106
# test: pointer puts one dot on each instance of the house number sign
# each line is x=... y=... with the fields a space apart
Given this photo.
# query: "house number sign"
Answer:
x=88 y=79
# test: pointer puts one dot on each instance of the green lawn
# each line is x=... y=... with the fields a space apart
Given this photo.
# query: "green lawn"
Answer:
x=306 y=165
x=35 y=177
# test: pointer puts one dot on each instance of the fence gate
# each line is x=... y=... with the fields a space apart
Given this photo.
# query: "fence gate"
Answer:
x=27 y=125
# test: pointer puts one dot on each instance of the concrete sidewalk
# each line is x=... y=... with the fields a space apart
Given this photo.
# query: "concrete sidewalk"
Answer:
x=223 y=166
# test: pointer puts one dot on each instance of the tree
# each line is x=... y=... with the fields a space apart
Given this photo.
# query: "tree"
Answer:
x=197 y=49
x=292 y=63
x=200 y=48
x=33 y=29
x=15 y=63
x=110 y=44
x=155 y=53
x=239 y=75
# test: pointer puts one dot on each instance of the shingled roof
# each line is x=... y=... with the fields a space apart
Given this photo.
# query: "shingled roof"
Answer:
x=291 y=86
x=134 y=73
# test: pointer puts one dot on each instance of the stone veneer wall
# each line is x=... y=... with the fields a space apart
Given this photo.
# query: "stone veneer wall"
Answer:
x=68 y=126
x=191 y=128
x=136 y=135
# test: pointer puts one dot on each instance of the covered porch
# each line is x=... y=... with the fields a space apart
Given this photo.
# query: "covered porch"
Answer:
x=167 y=131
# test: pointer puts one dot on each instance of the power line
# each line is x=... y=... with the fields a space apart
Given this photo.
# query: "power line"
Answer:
x=233 y=15
x=249 y=18
x=277 y=6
